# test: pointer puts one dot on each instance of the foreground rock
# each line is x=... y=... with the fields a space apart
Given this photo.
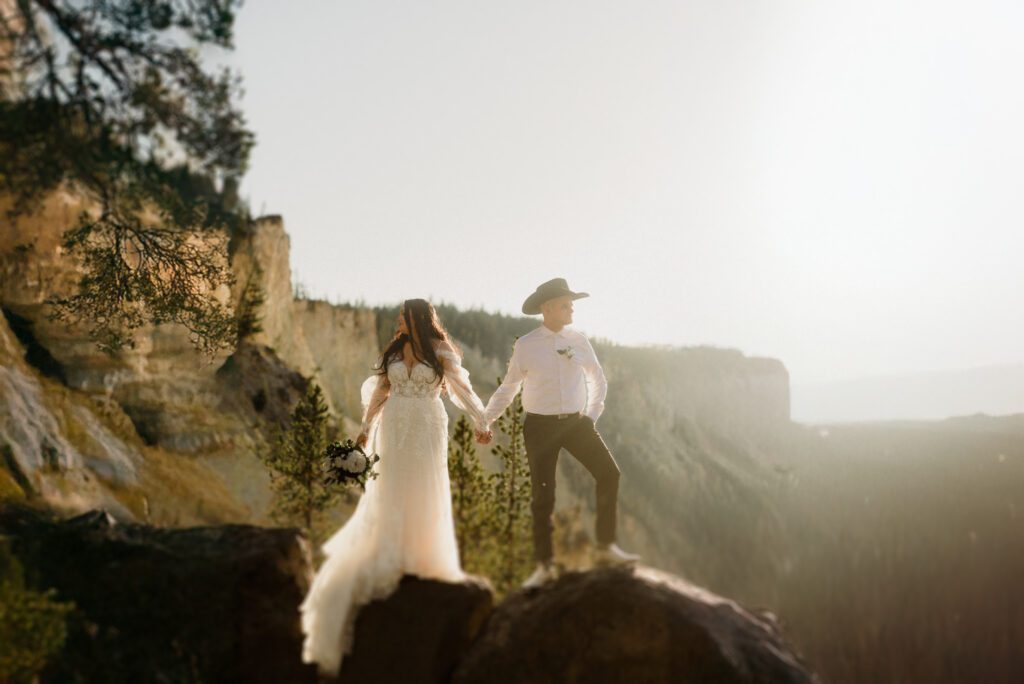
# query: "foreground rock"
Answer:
x=168 y=605
x=630 y=626
x=221 y=604
x=419 y=633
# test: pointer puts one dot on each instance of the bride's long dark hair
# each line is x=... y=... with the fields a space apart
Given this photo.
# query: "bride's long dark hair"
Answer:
x=422 y=322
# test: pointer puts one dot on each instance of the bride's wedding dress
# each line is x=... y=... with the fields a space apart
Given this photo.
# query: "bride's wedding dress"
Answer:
x=403 y=521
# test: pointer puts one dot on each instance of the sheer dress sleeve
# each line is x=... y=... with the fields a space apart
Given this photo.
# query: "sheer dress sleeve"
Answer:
x=460 y=389
x=375 y=392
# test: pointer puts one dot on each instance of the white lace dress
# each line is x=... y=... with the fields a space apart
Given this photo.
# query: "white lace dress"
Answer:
x=403 y=521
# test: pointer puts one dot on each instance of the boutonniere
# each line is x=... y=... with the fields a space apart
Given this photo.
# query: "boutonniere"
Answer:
x=568 y=352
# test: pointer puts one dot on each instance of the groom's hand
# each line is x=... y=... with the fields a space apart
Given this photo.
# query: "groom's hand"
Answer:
x=484 y=436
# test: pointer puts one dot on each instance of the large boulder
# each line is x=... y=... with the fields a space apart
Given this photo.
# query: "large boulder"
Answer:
x=628 y=625
x=168 y=605
x=417 y=634
x=221 y=604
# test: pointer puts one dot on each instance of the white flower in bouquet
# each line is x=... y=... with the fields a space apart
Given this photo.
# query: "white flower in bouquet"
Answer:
x=354 y=463
x=346 y=463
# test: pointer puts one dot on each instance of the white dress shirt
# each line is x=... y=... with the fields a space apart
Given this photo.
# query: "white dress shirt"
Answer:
x=552 y=383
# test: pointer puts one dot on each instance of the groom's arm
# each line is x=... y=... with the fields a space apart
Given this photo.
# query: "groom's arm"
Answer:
x=510 y=386
x=597 y=384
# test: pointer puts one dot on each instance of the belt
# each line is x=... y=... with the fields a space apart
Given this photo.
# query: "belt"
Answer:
x=556 y=416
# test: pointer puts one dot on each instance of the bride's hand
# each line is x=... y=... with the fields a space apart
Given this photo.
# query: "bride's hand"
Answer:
x=361 y=440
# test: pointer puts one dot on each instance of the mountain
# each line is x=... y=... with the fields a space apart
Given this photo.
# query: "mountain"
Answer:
x=994 y=390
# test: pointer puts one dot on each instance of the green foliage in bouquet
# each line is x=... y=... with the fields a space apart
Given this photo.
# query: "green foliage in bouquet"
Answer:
x=32 y=623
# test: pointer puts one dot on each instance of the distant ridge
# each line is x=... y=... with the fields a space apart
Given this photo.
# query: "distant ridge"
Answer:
x=992 y=390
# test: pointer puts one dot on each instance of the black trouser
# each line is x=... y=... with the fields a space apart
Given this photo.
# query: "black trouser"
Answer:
x=544 y=437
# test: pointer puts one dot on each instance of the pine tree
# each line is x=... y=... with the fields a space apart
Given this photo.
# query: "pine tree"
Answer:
x=301 y=495
x=472 y=500
x=492 y=510
x=512 y=496
x=249 y=315
x=113 y=100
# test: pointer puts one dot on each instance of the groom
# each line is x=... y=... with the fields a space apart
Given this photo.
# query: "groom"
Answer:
x=563 y=396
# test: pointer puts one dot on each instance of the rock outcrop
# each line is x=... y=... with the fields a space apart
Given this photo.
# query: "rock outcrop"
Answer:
x=77 y=451
x=342 y=342
x=94 y=420
x=168 y=605
x=221 y=604
x=627 y=626
x=334 y=345
x=419 y=633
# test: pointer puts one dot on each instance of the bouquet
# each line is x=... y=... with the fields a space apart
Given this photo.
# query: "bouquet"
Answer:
x=346 y=462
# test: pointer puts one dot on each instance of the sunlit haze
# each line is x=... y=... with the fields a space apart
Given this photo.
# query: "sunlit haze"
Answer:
x=833 y=184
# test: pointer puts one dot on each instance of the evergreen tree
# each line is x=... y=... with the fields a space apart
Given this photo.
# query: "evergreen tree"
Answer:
x=512 y=495
x=492 y=510
x=472 y=500
x=250 y=307
x=295 y=462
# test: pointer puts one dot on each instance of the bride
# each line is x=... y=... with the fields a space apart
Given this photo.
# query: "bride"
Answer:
x=403 y=521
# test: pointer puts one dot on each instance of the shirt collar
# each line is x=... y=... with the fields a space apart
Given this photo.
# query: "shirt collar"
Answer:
x=548 y=332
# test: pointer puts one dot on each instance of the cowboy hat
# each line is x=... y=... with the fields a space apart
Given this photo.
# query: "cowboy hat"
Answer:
x=556 y=287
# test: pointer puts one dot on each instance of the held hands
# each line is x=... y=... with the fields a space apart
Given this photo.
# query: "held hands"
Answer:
x=484 y=436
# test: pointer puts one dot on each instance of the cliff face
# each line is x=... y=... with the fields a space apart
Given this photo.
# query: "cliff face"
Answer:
x=162 y=384
x=75 y=450
x=335 y=345
x=168 y=402
x=37 y=421
x=342 y=342
x=712 y=386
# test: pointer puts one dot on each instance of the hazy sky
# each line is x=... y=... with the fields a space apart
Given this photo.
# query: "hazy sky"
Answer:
x=835 y=184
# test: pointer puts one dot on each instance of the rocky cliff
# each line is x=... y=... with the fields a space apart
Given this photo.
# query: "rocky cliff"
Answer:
x=68 y=410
